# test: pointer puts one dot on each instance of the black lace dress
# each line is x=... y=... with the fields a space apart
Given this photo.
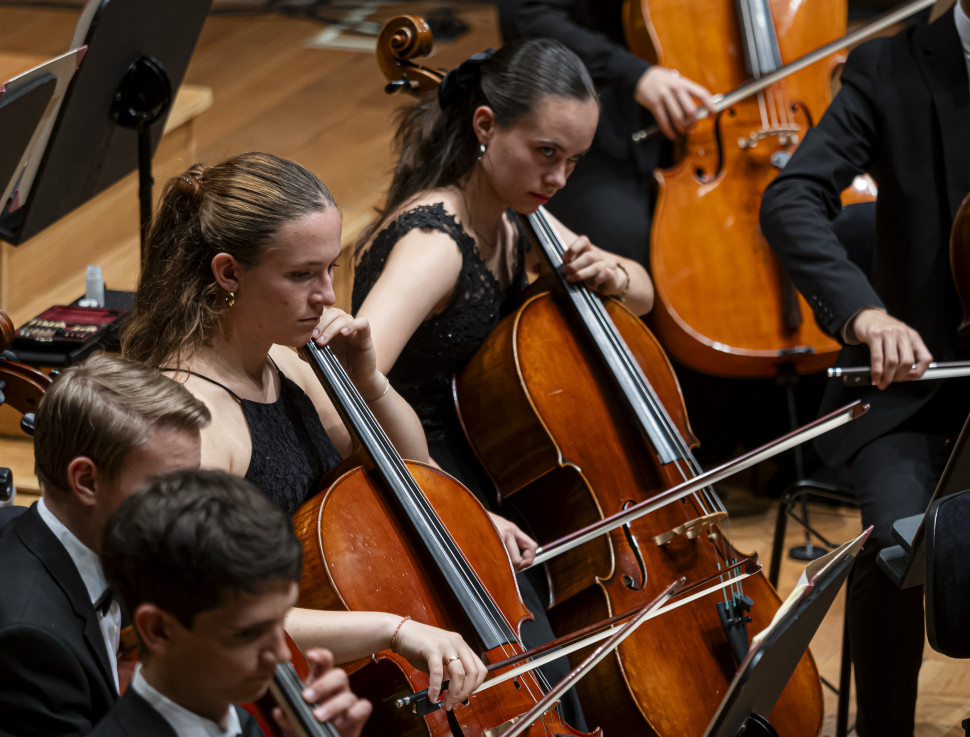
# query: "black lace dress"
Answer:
x=440 y=346
x=443 y=343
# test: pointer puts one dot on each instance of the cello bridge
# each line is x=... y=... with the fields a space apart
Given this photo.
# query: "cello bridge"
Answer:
x=693 y=529
x=787 y=135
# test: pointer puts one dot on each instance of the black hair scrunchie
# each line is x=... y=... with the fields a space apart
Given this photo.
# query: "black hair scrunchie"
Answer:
x=460 y=82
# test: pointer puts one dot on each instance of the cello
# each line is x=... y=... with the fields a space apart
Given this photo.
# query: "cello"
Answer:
x=285 y=691
x=559 y=488
x=21 y=386
x=404 y=537
x=724 y=306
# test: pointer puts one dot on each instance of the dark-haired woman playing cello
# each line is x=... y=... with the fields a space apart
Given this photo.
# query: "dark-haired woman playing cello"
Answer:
x=501 y=136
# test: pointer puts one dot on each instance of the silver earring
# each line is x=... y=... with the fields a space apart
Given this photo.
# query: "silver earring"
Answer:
x=482 y=148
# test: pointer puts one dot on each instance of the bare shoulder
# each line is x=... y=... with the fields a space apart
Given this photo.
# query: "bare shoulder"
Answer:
x=226 y=443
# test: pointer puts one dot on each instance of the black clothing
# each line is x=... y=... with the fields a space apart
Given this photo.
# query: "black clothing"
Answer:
x=55 y=675
x=921 y=163
x=135 y=717
x=443 y=343
x=291 y=450
x=902 y=115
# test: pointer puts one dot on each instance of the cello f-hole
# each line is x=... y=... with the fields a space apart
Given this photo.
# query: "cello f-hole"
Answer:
x=634 y=544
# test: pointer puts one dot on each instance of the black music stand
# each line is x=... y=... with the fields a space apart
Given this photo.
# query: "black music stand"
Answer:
x=905 y=563
x=21 y=110
x=114 y=110
x=26 y=102
x=770 y=662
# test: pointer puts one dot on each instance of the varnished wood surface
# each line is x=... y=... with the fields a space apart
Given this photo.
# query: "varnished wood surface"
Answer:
x=326 y=109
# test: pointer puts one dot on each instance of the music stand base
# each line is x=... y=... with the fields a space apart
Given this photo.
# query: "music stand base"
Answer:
x=757 y=726
x=806 y=552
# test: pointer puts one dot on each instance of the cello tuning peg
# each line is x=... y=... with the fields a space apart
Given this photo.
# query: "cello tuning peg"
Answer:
x=397 y=85
x=27 y=423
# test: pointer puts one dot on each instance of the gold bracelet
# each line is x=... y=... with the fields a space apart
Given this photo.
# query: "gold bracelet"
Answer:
x=626 y=287
x=387 y=388
x=397 y=630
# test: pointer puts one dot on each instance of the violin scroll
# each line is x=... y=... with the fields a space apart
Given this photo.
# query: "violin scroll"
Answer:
x=402 y=39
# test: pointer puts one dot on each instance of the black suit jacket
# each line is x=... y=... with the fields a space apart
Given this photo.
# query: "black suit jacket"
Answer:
x=54 y=671
x=903 y=115
x=135 y=717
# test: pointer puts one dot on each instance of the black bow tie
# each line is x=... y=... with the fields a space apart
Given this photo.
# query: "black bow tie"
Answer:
x=104 y=603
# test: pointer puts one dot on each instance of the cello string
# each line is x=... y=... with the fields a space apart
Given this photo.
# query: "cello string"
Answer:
x=596 y=313
x=751 y=46
x=391 y=462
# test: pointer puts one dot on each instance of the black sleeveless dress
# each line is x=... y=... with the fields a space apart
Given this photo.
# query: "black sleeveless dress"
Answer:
x=443 y=343
x=291 y=450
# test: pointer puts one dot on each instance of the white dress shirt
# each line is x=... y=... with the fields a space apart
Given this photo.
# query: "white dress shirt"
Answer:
x=92 y=574
x=963 y=30
x=185 y=723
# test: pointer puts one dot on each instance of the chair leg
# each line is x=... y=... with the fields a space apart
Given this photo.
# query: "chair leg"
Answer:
x=778 y=542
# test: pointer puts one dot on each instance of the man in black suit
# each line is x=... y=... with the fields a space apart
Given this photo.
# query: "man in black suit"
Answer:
x=208 y=568
x=102 y=429
x=903 y=115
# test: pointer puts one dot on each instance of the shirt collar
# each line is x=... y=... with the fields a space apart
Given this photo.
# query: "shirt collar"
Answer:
x=185 y=723
x=963 y=27
x=86 y=560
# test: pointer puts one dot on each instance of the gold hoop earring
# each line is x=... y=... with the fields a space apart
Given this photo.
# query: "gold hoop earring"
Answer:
x=230 y=299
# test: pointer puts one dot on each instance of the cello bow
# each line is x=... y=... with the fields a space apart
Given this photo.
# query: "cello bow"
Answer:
x=722 y=102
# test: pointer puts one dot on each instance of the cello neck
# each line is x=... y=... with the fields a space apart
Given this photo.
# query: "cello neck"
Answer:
x=287 y=689
x=650 y=415
x=471 y=595
x=759 y=38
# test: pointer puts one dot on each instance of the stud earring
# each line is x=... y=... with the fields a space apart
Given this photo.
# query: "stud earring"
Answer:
x=230 y=299
x=482 y=148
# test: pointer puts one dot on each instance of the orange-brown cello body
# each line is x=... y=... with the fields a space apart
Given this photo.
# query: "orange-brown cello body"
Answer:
x=402 y=537
x=723 y=304
x=360 y=555
x=544 y=421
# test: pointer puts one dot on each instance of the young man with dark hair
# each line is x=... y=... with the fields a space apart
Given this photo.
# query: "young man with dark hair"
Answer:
x=208 y=568
x=103 y=428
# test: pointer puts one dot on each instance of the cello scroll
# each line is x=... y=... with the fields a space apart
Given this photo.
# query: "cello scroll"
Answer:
x=402 y=39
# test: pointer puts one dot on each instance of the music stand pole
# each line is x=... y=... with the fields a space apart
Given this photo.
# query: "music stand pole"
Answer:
x=144 y=95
